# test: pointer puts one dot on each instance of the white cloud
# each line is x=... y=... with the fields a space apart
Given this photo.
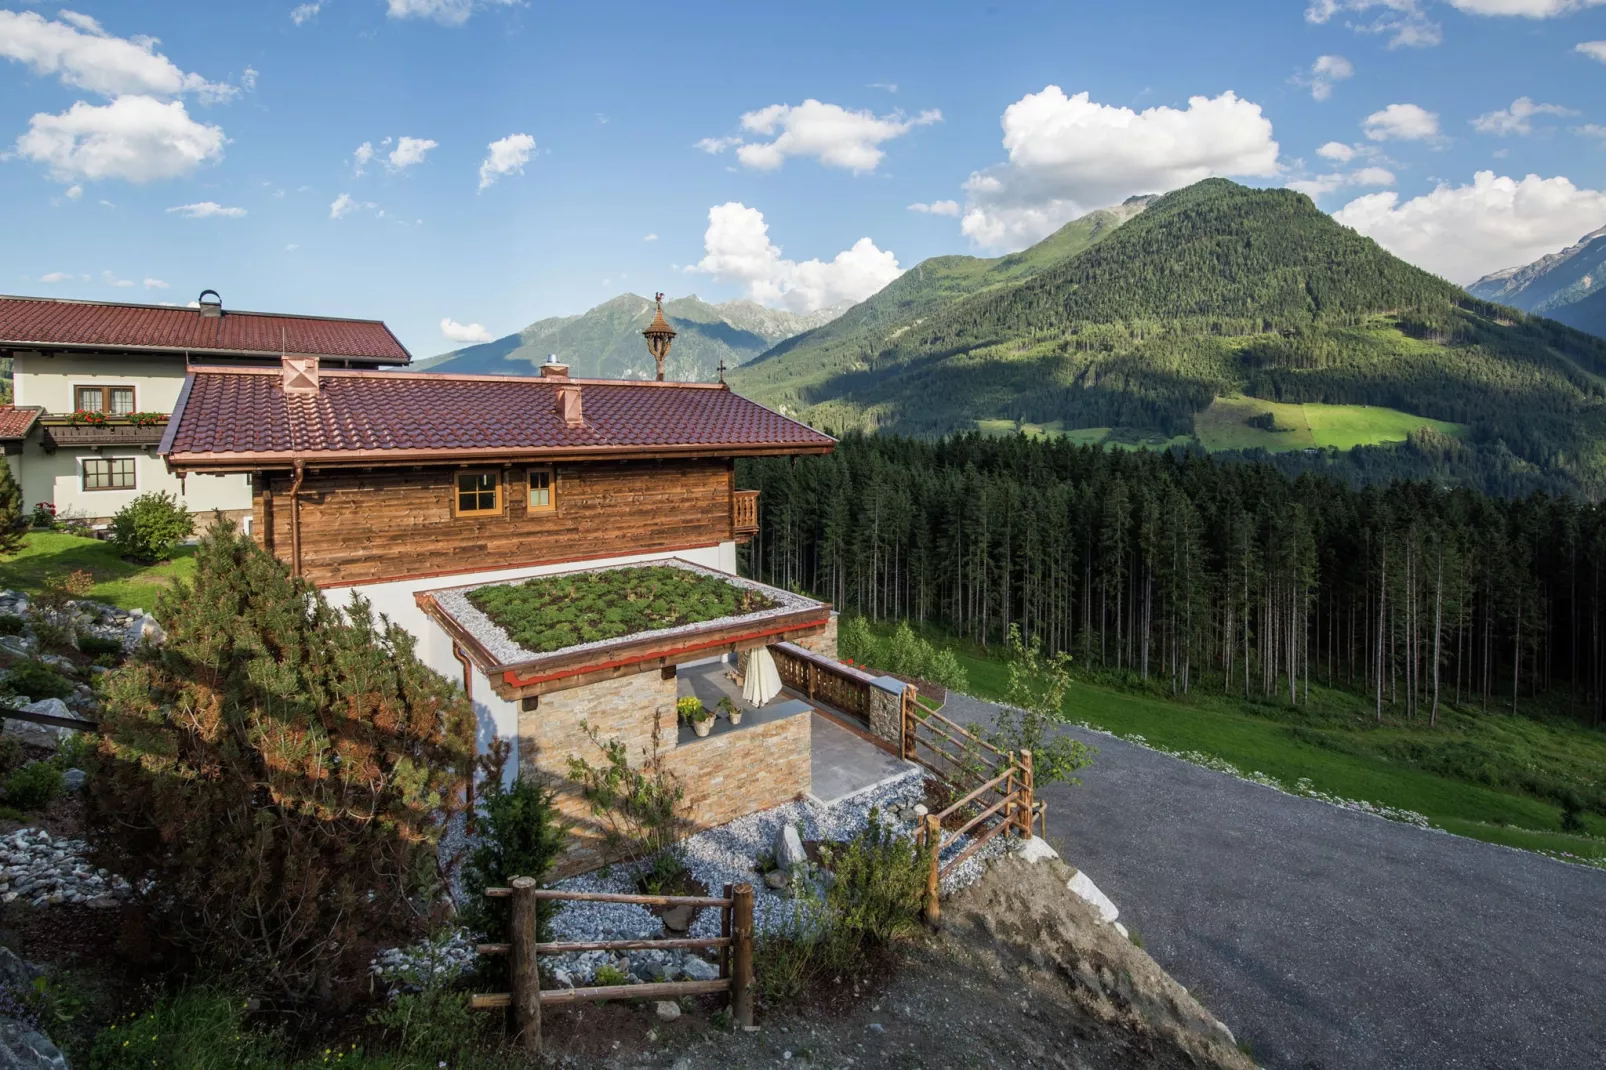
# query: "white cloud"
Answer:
x=829 y=133
x=361 y=156
x=137 y=138
x=1325 y=73
x=1401 y=122
x=716 y=145
x=155 y=284
x=345 y=204
x=1593 y=49
x=445 y=12
x=112 y=280
x=206 y=210
x=1336 y=151
x=1068 y=155
x=82 y=54
x=56 y=276
x=304 y=13
x=1592 y=130
x=409 y=152
x=1517 y=119
x=74 y=192
x=248 y=79
x=1533 y=9
x=453 y=331
x=737 y=249
x=1403 y=21
x=950 y=208
x=1314 y=186
x=649 y=237
x=1465 y=232
x=507 y=156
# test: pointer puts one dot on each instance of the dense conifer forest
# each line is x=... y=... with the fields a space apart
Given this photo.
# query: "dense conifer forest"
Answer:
x=1201 y=573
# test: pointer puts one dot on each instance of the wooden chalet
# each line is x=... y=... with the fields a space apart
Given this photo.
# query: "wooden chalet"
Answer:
x=405 y=487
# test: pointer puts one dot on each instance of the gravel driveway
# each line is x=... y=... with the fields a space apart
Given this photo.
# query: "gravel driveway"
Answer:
x=1331 y=939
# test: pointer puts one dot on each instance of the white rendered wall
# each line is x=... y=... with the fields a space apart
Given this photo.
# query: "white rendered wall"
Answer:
x=49 y=380
x=496 y=716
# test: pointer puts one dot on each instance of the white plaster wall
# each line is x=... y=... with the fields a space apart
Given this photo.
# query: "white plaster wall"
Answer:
x=58 y=477
x=49 y=380
x=497 y=717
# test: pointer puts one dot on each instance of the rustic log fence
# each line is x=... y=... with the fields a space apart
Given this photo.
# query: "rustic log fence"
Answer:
x=735 y=946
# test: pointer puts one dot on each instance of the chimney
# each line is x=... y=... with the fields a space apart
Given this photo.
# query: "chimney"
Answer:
x=300 y=374
x=210 y=310
x=569 y=405
x=552 y=369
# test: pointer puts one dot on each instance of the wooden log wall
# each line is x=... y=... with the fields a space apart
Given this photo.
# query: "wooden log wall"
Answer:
x=368 y=526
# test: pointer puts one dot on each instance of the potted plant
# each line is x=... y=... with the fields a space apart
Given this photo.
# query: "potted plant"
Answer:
x=693 y=712
x=731 y=710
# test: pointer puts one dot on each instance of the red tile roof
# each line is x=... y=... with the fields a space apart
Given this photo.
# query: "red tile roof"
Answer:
x=42 y=321
x=242 y=417
x=15 y=423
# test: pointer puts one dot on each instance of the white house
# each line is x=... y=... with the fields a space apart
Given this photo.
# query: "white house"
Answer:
x=93 y=384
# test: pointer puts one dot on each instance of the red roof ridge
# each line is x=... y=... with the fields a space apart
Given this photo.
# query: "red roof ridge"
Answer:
x=447 y=377
x=191 y=308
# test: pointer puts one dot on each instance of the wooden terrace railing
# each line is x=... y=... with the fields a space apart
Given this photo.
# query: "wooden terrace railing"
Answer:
x=744 y=514
x=735 y=944
x=824 y=679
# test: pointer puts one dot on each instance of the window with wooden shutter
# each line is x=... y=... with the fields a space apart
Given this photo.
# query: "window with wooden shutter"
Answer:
x=111 y=400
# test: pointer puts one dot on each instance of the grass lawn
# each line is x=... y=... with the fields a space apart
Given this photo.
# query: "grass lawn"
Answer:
x=122 y=583
x=1223 y=426
x=1341 y=751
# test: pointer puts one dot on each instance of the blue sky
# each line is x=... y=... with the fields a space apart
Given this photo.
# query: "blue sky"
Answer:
x=768 y=151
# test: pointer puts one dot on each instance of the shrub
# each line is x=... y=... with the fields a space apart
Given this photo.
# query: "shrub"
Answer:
x=433 y=1024
x=32 y=786
x=43 y=515
x=880 y=885
x=11 y=755
x=519 y=835
x=1036 y=705
x=642 y=807
x=95 y=645
x=11 y=624
x=280 y=769
x=149 y=528
x=13 y=520
x=607 y=976
x=36 y=680
x=903 y=653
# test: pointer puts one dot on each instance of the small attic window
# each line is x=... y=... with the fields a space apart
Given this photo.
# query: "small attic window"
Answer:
x=478 y=492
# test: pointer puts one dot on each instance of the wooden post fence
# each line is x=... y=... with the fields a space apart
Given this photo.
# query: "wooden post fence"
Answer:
x=934 y=845
x=735 y=946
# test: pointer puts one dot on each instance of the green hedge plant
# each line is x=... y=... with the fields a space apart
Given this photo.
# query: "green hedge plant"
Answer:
x=149 y=528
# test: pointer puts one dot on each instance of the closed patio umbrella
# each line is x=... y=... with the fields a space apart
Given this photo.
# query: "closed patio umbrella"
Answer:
x=763 y=678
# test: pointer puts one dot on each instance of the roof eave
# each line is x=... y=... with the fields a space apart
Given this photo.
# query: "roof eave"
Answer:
x=380 y=458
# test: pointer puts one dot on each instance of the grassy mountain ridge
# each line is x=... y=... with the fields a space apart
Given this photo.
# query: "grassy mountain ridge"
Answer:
x=606 y=342
x=1213 y=290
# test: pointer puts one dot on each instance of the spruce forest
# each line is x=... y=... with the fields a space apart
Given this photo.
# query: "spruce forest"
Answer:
x=1203 y=574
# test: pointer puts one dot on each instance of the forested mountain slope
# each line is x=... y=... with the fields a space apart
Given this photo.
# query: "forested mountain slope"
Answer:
x=606 y=341
x=1588 y=314
x=1552 y=282
x=1217 y=290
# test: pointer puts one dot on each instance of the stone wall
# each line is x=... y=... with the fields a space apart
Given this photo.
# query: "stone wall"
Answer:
x=823 y=644
x=725 y=776
x=886 y=711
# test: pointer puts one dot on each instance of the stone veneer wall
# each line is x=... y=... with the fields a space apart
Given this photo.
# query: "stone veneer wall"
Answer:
x=886 y=714
x=725 y=776
x=823 y=644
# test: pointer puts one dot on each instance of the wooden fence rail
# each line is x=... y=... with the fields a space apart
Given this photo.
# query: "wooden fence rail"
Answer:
x=735 y=947
x=824 y=679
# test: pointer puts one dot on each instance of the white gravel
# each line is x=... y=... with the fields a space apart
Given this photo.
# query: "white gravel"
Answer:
x=43 y=870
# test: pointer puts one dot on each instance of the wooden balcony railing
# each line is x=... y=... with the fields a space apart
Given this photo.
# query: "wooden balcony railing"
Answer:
x=744 y=515
x=824 y=679
x=63 y=431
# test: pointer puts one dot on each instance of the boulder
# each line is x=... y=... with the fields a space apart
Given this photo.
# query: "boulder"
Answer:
x=696 y=969
x=73 y=779
x=1082 y=886
x=144 y=630
x=22 y=1048
x=15 y=973
x=788 y=849
x=678 y=919
x=777 y=880
x=19 y=645
x=1035 y=849
x=42 y=735
x=667 y=1011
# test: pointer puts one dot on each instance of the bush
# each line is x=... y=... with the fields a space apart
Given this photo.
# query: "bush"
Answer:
x=11 y=624
x=880 y=885
x=149 y=528
x=36 y=680
x=280 y=769
x=642 y=807
x=903 y=653
x=519 y=835
x=95 y=645
x=32 y=786
x=1036 y=705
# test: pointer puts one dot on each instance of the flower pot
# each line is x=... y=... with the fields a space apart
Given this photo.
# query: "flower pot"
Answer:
x=702 y=727
x=736 y=717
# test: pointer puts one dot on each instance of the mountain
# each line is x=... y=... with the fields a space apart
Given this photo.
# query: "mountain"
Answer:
x=606 y=342
x=1160 y=329
x=1586 y=314
x=1552 y=282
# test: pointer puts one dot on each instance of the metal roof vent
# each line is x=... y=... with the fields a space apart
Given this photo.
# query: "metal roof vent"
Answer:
x=554 y=368
x=212 y=309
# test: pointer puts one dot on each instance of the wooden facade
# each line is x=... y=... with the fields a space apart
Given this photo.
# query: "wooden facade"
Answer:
x=375 y=525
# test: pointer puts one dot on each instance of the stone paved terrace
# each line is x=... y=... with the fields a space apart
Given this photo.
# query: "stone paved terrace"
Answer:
x=842 y=763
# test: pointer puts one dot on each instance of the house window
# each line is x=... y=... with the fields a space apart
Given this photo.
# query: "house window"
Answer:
x=543 y=495
x=111 y=400
x=479 y=493
x=108 y=473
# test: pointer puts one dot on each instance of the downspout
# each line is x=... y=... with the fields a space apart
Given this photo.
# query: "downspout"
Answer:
x=295 y=520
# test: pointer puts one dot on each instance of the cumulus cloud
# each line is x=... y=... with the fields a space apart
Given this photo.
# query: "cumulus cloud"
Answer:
x=345 y=204
x=138 y=138
x=1336 y=151
x=1315 y=186
x=1465 y=232
x=649 y=237
x=830 y=133
x=445 y=12
x=1403 y=22
x=1533 y=9
x=155 y=284
x=77 y=50
x=409 y=152
x=1401 y=122
x=304 y=13
x=1325 y=73
x=361 y=157
x=1068 y=155
x=1591 y=130
x=737 y=249
x=1593 y=49
x=206 y=210
x=453 y=331
x=506 y=156
x=56 y=276
x=1517 y=119
x=936 y=208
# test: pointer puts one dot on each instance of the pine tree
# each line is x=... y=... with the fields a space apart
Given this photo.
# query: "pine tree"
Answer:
x=13 y=518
